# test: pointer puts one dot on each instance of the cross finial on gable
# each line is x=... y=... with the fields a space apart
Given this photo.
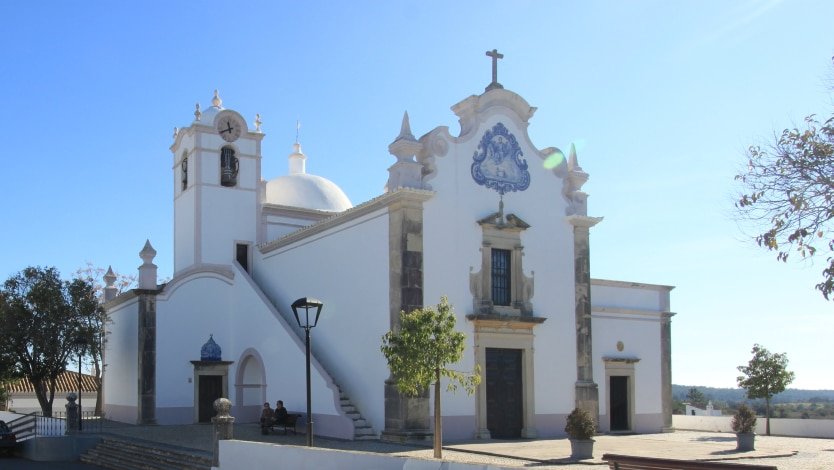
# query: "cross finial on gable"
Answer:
x=495 y=55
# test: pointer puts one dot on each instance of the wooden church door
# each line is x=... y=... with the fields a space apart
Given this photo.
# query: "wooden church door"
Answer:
x=504 y=393
x=619 y=403
x=210 y=389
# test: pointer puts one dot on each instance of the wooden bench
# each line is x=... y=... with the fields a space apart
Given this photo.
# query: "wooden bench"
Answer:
x=630 y=462
x=288 y=424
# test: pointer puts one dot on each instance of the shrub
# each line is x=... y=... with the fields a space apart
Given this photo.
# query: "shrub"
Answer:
x=744 y=420
x=580 y=425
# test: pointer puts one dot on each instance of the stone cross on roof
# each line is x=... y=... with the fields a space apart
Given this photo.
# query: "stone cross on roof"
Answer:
x=495 y=55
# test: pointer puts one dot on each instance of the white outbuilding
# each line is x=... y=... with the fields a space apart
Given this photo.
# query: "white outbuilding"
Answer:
x=485 y=217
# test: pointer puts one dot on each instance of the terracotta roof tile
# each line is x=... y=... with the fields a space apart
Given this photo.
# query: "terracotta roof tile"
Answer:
x=67 y=382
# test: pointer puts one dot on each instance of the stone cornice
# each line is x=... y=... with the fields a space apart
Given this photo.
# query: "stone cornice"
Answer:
x=399 y=196
x=627 y=284
x=634 y=313
x=299 y=212
x=124 y=297
x=482 y=320
x=583 y=221
x=211 y=363
x=626 y=360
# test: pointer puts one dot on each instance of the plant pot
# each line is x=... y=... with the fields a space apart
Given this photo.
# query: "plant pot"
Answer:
x=745 y=441
x=581 y=449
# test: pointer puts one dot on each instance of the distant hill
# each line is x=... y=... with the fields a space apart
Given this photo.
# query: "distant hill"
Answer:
x=730 y=395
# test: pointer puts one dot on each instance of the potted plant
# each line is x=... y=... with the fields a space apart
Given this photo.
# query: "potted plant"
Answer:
x=744 y=425
x=580 y=428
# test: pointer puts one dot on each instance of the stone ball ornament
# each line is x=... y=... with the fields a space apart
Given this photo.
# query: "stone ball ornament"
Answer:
x=222 y=406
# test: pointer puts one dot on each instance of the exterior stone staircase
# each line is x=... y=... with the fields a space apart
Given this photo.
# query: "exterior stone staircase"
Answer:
x=362 y=431
x=120 y=454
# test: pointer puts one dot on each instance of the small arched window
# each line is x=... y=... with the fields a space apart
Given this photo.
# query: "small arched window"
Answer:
x=228 y=167
x=184 y=171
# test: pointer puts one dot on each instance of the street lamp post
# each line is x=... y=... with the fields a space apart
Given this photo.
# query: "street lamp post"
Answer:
x=306 y=304
x=80 y=344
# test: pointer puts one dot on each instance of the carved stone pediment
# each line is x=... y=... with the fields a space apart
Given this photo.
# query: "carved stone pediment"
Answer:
x=495 y=220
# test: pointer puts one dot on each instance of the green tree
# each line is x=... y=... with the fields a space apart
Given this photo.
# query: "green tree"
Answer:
x=765 y=376
x=47 y=315
x=696 y=398
x=419 y=353
x=787 y=194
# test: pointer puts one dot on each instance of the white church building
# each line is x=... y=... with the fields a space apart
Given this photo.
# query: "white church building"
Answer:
x=478 y=217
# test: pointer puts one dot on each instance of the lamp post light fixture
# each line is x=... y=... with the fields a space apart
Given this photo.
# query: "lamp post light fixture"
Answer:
x=302 y=307
x=80 y=343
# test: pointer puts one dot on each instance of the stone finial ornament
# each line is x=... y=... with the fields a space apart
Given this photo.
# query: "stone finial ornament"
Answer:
x=405 y=129
x=110 y=290
x=109 y=277
x=197 y=113
x=216 y=101
x=148 y=253
x=176 y=131
x=147 y=272
x=576 y=178
x=222 y=406
x=258 y=122
x=406 y=172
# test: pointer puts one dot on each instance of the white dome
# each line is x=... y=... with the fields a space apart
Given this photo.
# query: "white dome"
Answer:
x=308 y=192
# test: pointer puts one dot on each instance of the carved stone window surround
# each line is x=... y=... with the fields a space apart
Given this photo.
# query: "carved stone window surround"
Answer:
x=505 y=234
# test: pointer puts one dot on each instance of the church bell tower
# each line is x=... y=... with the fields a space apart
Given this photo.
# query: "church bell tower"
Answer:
x=217 y=177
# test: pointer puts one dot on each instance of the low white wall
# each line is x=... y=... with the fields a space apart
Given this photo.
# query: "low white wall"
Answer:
x=778 y=426
x=28 y=403
x=259 y=455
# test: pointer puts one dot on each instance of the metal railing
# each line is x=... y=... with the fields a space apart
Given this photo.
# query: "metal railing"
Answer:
x=35 y=424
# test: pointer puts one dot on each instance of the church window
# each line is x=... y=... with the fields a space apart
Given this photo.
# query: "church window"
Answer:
x=242 y=255
x=501 y=263
x=184 y=173
x=228 y=167
x=501 y=287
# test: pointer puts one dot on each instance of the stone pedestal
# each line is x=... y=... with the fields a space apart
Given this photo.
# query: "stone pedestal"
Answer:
x=72 y=413
x=223 y=427
x=406 y=418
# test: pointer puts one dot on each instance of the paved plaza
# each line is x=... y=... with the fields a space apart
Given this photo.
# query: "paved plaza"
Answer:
x=784 y=452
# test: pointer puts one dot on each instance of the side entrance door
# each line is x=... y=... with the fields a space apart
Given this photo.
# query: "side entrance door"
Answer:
x=504 y=393
x=618 y=406
x=210 y=389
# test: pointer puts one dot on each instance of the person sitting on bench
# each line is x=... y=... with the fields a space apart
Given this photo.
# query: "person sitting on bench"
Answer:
x=267 y=418
x=280 y=413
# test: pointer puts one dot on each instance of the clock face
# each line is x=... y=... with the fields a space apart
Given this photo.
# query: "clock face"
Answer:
x=229 y=127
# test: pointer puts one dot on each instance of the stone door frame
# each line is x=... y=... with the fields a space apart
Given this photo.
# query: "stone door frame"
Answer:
x=202 y=368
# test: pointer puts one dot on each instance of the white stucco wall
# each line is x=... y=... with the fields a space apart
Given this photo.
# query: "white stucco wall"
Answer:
x=184 y=229
x=822 y=428
x=228 y=215
x=641 y=340
x=629 y=295
x=120 y=374
x=453 y=239
x=347 y=269
x=241 y=320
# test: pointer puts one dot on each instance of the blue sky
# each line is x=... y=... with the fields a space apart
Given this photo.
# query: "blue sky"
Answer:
x=660 y=97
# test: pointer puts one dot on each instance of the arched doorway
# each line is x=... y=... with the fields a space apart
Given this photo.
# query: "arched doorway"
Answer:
x=250 y=386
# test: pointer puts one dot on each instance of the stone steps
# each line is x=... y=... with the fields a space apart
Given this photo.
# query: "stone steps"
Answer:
x=119 y=454
x=362 y=431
